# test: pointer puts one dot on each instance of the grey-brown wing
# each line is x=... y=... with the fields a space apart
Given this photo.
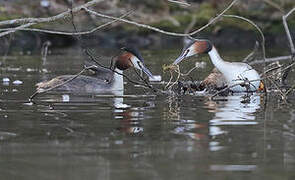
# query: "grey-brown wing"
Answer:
x=69 y=83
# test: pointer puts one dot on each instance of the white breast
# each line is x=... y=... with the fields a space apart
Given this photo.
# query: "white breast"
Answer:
x=239 y=73
x=118 y=83
x=235 y=73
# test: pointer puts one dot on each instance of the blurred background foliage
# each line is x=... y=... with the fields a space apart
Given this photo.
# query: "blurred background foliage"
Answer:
x=163 y=14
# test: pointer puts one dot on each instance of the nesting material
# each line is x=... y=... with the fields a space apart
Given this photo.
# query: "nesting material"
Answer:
x=169 y=67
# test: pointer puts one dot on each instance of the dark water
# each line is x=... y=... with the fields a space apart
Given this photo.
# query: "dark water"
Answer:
x=139 y=135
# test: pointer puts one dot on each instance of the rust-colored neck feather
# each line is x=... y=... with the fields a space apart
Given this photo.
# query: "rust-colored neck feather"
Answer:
x=203 y=46
x=123 y=61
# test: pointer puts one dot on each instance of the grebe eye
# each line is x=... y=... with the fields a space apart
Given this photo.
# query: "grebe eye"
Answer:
x=186 y=52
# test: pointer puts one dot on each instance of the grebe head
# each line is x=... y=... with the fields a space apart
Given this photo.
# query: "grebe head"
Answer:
x=131 y=57
x=198 y=46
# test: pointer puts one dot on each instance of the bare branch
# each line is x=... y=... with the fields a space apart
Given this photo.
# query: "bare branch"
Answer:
x=27 y=22
x=135 y=23
x=69 y=33
x=269 y=60
x=289 y=90
x=214 y=19
x=59 y=85
x=180 y=3
x=252 y=54
x=273 y=4
x=288 y=31
x=33 y=21
x=290 y=12
x=16 y=29
x=160 y=30
x=283 y=95
x=229 y=87
x=259 y=30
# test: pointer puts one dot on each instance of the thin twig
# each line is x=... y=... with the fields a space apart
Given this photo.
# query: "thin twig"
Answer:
x=191 y=70
x=283 y=95
x=271 y=69
x=170 y=80
x=180 y=3
x=49 y=19
x=288 y=31
x=253 y=52
x=168 y=86
x=214 y=19
x=284 y=69
x=33 y=21
x=269 y=60
x=265 y=77
x=88 y=53
x=69 y=33
x=27 y=22
x=135 y=23
x=289 y=90
x=259 y=30
x=178 y=72
x=145 y=81
x=229 y=87
x=61 y=84
x=273 y=4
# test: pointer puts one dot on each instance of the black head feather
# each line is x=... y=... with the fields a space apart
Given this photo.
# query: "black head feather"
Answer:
x=134 y=51
x=187 y=45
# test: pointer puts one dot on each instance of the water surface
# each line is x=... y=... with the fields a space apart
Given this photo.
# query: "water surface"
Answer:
x=139 y=135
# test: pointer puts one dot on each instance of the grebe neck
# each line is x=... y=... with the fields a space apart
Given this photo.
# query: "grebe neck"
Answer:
x=218 y=62
x=118 y=83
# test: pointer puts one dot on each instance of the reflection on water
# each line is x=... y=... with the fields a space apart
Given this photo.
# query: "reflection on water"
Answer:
x=138 y=135
x=234 y=110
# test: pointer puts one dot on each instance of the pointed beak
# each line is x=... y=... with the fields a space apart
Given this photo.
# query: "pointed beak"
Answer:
x=178 y=60
x=146 y=71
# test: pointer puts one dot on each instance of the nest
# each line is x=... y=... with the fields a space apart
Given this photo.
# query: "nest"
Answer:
x=170 y=67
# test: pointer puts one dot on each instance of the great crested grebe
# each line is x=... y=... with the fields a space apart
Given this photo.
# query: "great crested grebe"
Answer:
x=103 y=80
x=233 y=72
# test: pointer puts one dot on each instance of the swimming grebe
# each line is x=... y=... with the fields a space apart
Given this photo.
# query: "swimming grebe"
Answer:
x=103 y=80
x=233 y=72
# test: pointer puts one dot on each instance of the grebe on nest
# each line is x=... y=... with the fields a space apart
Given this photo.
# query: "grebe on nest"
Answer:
x=233 y=72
